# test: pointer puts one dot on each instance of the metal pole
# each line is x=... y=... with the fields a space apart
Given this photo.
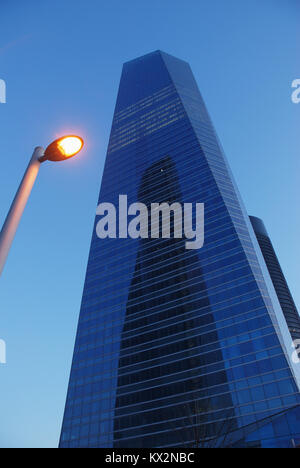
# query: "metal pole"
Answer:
x=17 y=208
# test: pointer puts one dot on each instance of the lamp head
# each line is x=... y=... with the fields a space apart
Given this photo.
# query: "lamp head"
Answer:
x=63 y=148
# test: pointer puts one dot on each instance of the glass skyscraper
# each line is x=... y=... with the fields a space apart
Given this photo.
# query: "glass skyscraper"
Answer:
x=178 y=347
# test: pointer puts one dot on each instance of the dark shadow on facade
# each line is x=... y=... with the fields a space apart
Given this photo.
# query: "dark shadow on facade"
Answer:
x=153 y=406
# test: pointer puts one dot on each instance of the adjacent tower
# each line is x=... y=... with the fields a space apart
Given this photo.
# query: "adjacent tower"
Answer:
x=177 y=347
x=280 y=284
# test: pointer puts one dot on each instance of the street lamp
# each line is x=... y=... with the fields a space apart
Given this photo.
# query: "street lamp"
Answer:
x=60 y=150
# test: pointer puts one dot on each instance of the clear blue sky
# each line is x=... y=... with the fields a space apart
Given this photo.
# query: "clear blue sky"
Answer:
x=61 y=60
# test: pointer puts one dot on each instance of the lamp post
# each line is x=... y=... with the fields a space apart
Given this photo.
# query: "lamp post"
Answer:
x=60 y=150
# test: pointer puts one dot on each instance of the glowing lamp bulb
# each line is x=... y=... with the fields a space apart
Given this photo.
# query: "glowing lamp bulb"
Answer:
x=69 y=146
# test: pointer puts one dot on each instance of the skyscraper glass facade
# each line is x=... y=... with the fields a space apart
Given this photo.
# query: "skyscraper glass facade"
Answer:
x=177 y=347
